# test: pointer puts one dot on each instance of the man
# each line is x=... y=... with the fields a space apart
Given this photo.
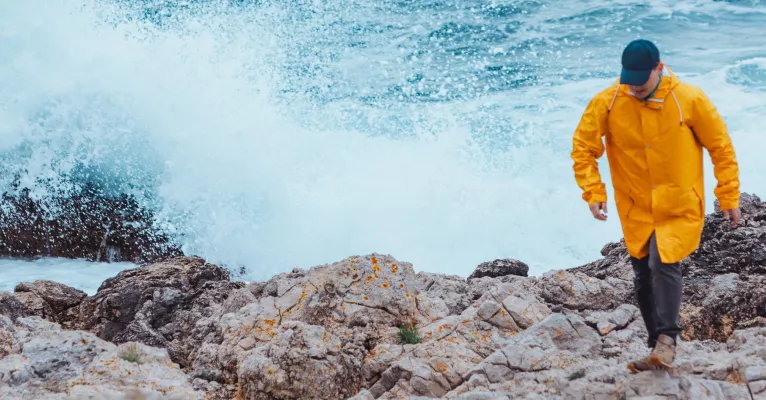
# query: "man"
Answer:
x=654 y=128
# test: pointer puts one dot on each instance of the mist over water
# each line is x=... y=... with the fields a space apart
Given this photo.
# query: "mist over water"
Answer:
x=288 y=134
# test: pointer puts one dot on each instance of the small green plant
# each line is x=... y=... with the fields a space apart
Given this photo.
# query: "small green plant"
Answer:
x=409 y=334
x=130 y=354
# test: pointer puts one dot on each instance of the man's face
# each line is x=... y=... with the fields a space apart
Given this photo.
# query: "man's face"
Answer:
x=643 y=90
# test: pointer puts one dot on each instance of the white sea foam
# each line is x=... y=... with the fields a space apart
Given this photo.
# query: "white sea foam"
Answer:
x=252 y=169
x=80 y=274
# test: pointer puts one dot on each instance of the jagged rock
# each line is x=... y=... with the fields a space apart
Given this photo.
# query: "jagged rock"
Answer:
x=706 y=370
x=606 y=322
x=503 y=267
x=577 y=291
x=174 y=305
x=358 y=303
x=615 y=264
x=525 y=312
x=11 y=307
x=50 y=300
x=623 y=343
x=569 y=333
x=364 y=394
x=723 y=250
x=300 y=359
x=82 y=222
x=450 y=290
x=454 y=345
x=47 y=362
x=714 y=308
x=450 y=349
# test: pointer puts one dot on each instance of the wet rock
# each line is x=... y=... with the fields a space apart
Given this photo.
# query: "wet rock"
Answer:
x=11 y=307
x=714 y=308
x=725 y=250
x=82 y=223
x=615 y=264
x=173 y=305
x=503 y=267
x=51 y=300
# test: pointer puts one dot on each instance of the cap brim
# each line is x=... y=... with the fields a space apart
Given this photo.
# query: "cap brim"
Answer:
x=630 y=77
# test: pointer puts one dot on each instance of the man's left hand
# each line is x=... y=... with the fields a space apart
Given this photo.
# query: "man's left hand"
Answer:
x=734 y=214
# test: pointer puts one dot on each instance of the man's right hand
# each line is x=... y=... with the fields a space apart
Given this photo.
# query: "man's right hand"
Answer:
x=599 y=211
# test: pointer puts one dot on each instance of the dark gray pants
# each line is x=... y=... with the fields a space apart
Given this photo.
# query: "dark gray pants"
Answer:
x=658 y=290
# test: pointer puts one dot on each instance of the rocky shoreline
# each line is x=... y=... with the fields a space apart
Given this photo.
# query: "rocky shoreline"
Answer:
x=371 y=327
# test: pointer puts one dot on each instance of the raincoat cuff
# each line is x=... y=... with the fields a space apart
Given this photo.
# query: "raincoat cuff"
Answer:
x=729 y=204
x=597 y=198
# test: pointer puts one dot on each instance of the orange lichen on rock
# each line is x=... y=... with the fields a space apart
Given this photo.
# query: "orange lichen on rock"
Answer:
x=441 y=367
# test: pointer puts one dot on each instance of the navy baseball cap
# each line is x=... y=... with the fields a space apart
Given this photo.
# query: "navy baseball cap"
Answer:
x=639 y=58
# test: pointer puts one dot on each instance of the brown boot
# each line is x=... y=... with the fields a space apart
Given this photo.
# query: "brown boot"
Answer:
x=637 y=366
x=664 y=353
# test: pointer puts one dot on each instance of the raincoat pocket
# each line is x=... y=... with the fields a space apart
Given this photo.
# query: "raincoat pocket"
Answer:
x=674 y=202
x=624 y=204
x=699 y=193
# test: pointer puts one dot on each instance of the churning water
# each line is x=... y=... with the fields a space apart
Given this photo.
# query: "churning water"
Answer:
x=276 y=134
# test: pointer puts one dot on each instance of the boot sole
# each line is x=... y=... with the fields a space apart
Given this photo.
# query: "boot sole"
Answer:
x=655 y=361
x=634 y=369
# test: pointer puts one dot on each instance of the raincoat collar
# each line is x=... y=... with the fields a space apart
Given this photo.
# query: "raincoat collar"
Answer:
x=658 y=98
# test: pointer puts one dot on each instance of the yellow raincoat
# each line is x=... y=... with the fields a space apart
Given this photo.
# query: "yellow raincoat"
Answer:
x=654 y=150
